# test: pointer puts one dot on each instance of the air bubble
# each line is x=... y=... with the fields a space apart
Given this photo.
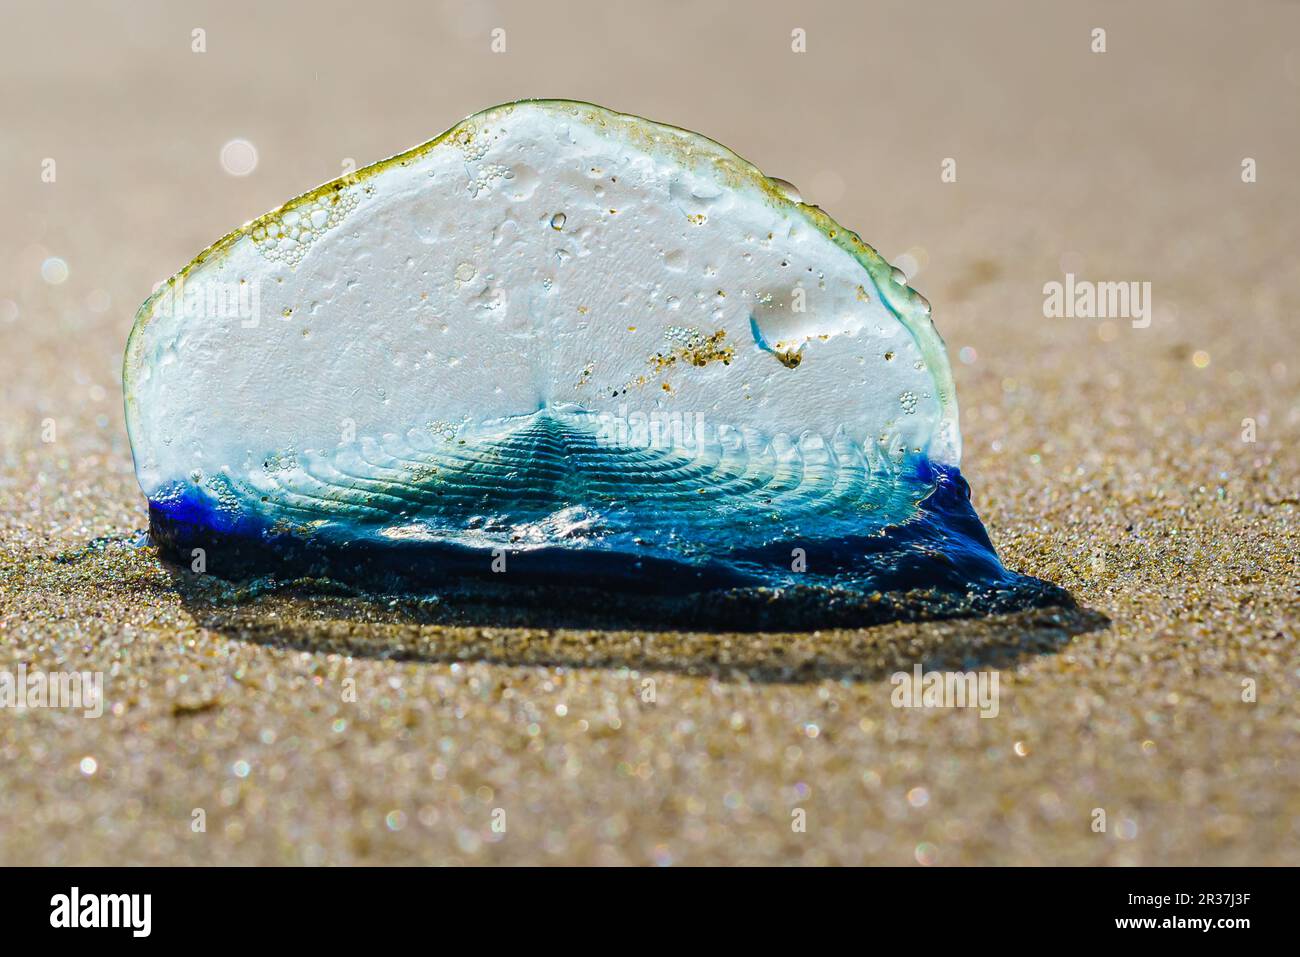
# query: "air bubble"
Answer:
x=54 y=271
x=786 y=189
x=239 y=157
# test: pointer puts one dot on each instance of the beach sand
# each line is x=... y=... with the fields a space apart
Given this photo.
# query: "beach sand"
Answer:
x=1149 y=469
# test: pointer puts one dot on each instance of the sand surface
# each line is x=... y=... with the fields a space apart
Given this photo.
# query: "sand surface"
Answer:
x=1152 y=472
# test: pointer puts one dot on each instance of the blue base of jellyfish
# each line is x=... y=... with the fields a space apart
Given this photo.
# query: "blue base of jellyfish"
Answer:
x=915 y=542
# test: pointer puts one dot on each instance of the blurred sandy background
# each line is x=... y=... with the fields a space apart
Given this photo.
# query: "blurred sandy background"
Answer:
x=1107 y=458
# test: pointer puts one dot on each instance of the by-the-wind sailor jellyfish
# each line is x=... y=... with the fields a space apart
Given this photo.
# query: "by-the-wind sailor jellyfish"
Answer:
x=556 y=346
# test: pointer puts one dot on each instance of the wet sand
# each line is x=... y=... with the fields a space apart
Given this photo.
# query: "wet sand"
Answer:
x=1151 y=470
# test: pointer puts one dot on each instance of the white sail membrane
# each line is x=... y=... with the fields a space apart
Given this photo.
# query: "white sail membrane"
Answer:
x=551 y=324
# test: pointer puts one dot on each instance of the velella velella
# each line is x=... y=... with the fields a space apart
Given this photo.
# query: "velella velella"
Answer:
x=555 y=345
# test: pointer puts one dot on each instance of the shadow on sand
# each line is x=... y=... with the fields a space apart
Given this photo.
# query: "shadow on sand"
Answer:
x=730 y=636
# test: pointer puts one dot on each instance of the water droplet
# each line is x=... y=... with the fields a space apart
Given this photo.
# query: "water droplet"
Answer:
x=557 y=221
x=787 y=189
x=239 y=157
x=54 y=271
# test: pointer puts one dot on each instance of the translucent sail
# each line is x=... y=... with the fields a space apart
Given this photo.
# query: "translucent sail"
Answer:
x=554 y=343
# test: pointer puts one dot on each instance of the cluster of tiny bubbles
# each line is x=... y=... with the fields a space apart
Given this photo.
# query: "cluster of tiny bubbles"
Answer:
x=287 y=237
x=54 y=271
x=239 y=157
x=489 y=174
x=470 y=144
